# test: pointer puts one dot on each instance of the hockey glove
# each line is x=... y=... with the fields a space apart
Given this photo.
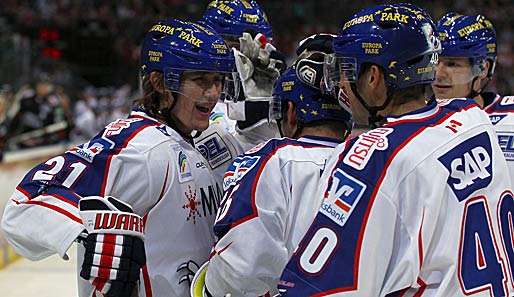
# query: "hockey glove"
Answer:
x=258 y=65
x=114 y=245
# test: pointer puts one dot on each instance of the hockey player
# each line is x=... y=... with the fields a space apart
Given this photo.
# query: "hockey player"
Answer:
x=239 y=124
x=149 y=162
x=466 y=65
x=421 y=204
x=246 y=29
x=263 y=217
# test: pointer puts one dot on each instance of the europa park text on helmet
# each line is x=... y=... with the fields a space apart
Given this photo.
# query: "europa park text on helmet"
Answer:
x=472 y=37
x=398 y=38
x=173 y=47
x=311 y=104
x=234 y=17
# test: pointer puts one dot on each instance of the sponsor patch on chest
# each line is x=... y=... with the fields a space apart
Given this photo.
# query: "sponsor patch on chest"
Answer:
x=506 y=141
x=183 y=165
x=469 y=165
x=214 y=150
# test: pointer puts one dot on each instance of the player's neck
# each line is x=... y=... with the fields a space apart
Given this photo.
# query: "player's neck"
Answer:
x=400 y=109
x=322 y=132
x=480 y=101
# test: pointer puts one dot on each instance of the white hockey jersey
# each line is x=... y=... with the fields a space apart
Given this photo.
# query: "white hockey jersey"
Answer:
x=220 y=147
x=501 y=113
x=138 y=160
x=421 y=206
x=263 y=214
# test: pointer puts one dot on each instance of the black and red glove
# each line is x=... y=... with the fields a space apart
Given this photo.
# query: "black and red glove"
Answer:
x=114 y=245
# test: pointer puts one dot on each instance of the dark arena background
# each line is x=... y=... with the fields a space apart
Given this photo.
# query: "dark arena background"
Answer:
x=69 y=67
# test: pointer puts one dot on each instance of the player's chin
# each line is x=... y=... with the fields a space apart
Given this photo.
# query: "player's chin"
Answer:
x=202 y=125
x=442 y=92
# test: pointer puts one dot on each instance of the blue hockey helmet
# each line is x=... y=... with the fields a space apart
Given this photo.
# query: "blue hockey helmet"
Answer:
x=400 y=38
x=172 y=46
x=470 y=36
x=234 y=17
x=311 y=103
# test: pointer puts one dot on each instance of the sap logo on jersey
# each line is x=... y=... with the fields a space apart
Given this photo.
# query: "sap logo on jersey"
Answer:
x=342 y=197
x=506 y=141
x=238 y=169
x=496 y=118
x=361 y=151
x=214 y=149
x=469 y=165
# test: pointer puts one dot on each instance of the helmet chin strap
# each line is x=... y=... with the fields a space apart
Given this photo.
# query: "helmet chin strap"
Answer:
x=472 y=93
x=374 y=120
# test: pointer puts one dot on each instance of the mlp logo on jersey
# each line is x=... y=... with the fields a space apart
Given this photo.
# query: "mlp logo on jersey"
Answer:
x=506 y=141
x=342 y=196
x=238 y=169
x=363 y=148
x=469 y=165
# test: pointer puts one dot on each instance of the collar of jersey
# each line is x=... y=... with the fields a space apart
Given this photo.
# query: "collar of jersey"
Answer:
x=493 y=101
x=326 y=141
x=417 y=114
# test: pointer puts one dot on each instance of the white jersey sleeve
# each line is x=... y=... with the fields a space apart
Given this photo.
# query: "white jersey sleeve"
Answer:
x=42 y=218
x=417 y=207
x=259 y=223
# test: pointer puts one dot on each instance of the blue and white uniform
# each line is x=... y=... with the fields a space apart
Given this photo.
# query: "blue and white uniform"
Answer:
x=501 y=113
x=266 y=190
x=142 y=162
x=420 y=206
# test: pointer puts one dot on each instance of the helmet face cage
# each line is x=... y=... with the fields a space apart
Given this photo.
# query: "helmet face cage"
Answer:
x=338 y=69
x=275 y=109
x=230 y=85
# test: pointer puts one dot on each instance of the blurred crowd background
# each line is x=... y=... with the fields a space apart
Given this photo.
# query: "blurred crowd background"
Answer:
x=68 y=67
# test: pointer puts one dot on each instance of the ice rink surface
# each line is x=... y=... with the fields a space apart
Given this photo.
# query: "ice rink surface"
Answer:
x=51 y=277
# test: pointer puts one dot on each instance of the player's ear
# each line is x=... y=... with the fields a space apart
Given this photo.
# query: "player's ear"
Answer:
x=166 y=96
x=157 y=81
x=374 y=76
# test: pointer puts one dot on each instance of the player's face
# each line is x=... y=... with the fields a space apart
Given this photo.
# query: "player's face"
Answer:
x=359 y=113
x=453 y=78
x=199 y=92
x=372 y=90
